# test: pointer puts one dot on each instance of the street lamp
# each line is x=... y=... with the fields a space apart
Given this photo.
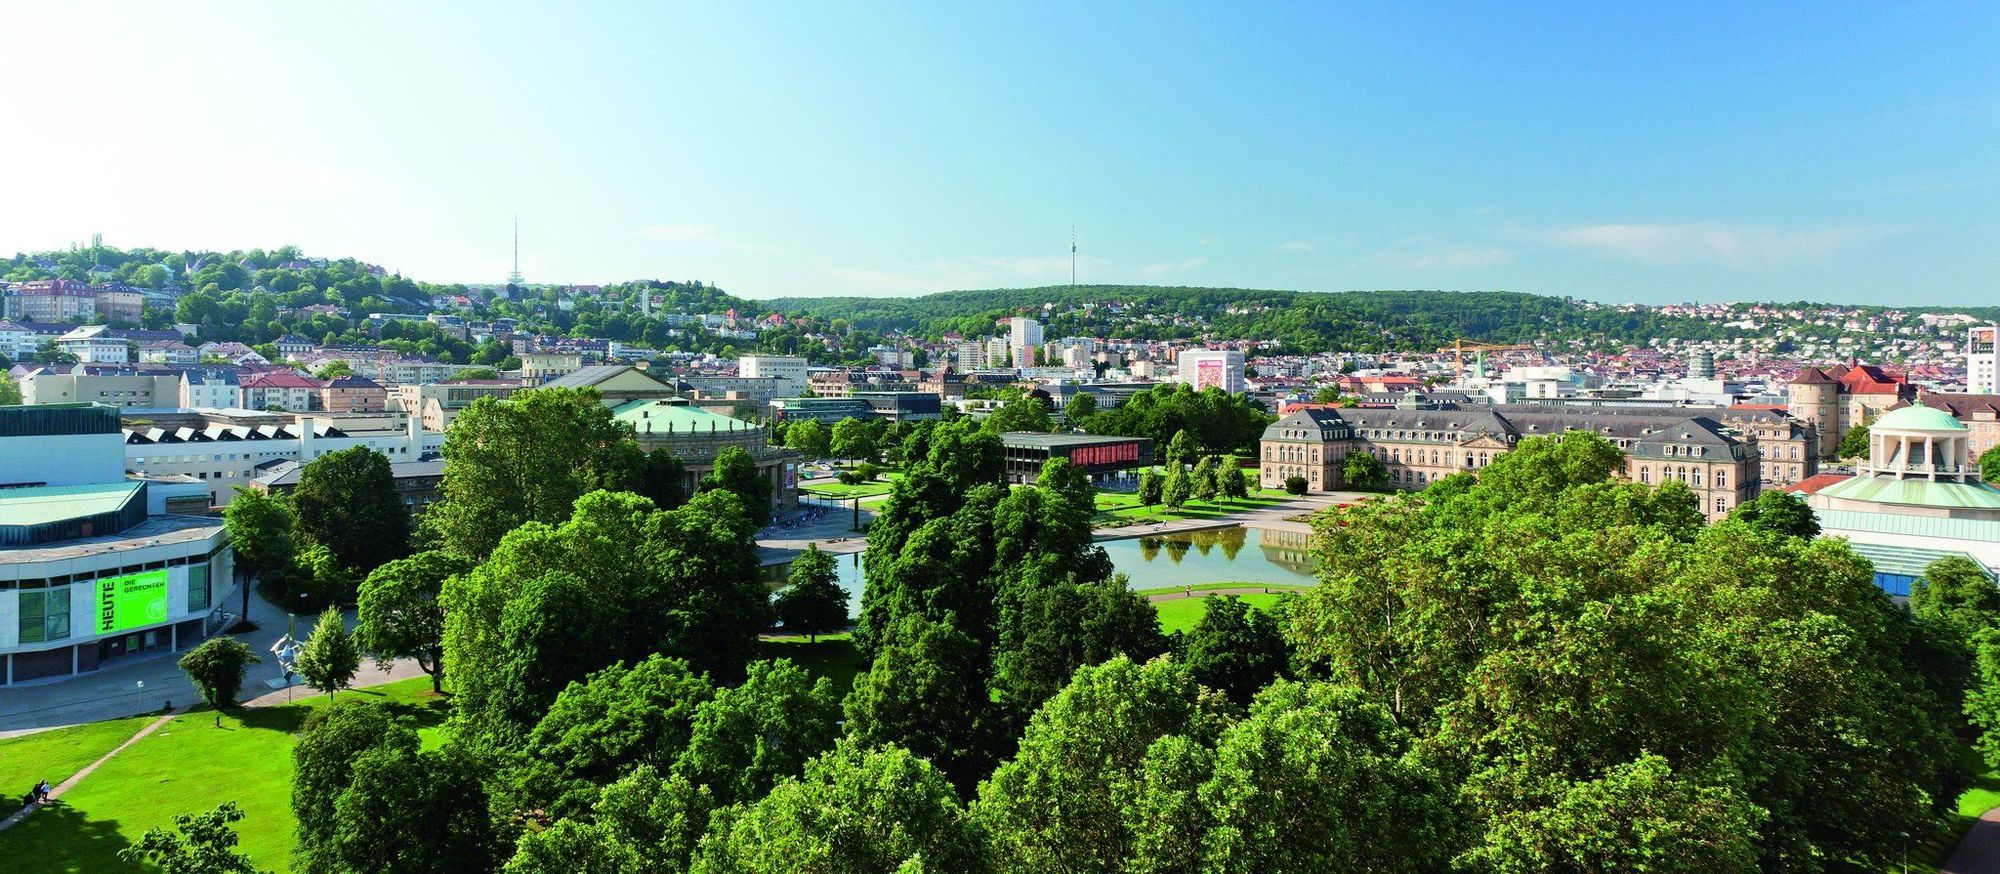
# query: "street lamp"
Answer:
x=138 y=693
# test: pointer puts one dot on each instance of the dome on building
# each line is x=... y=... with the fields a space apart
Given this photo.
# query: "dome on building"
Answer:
x=1915 y=418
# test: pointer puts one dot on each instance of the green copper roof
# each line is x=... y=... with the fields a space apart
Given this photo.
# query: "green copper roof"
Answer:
x=1889 y=490
x=36 y=506
x=655 y=417
x=1917 y=419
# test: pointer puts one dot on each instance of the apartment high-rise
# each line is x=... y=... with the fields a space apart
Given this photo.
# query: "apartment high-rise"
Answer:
x=1982 y=360
x=1023 y=336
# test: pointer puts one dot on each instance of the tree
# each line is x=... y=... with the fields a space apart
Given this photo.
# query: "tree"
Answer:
x=347 y=501
x=1315 y=778
x=323 y=767
x=321 y=577
x=1025 y=413
x=526 y=458
x=813 y=602
x=1053 y=623
x=406 y=811
x=852 y=440
x=1957 y=590
x=330 y=659
x=748 y=738
x=856 y=809
x=1178 y=490
x=206 y=844
x=399 y=616
x=604 y=728
x=1295 y=484
x=926 y=692
x=1060 y=804
x=262 y=532
x=1151 y=489
x=1854 y=443
x=216 y=669
x=1639 y=816
x=663 y=480
x=1234 y=649
x=810 y=438
x=1779 y=513
x=1061 y=476
x=1362 y=470
x=525 y=623
x=1235 y=485
x=1080 y=408
x=736 y=472
x=1989 y=465
x=10 y=394
x=1182 y=451
x=1205 y=486
x=1327 y=394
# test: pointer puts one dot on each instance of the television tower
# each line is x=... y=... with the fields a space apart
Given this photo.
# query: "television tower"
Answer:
x=1072 y=256
x=514 y=278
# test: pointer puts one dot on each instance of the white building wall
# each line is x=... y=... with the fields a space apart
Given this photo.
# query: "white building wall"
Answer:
x=62 y=460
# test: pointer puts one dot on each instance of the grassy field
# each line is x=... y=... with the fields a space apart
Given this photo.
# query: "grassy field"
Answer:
x=1182 y=614
x=189 y=765
x=55 y=755
x=1123 y=508
x=832 y=656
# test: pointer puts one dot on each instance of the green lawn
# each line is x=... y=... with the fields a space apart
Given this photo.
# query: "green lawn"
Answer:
x=56 y=754
x=1184 y=613
x=1123 y=508
x=1928 y=852
x=837 y=489
x=190 y=765
x=833 y=656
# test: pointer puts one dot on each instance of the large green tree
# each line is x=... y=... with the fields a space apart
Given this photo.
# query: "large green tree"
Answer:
x=347 y=501
x=852 y=439
x=263 y=533
x=812 y=602
x=855 y=809
x=810 y=438
x=1234 y=649
x=399 y=613
x=406 y=811
x=329 y=659
x=323 y=767
x=926 y=692
x=735 y=471
x=216 y=668
x=527 y=458
x=205 y=844
x=747 y=738
x=605 y=727
x=1779 y=512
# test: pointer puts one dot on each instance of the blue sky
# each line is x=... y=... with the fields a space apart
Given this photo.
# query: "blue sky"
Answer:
x=1650 y=152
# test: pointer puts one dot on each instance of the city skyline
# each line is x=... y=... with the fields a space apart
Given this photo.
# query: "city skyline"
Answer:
x=1617 y=155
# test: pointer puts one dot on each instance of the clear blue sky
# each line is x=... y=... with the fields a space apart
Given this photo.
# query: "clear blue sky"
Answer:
x=1651 y=152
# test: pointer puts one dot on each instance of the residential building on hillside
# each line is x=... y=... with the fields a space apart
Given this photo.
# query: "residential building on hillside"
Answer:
x=210 y=388
x=1982 y=360
x=1023 y=337
x=788 y=370
x=280 y=390
x=353 y=394
x=54 y=300
x=540 y=367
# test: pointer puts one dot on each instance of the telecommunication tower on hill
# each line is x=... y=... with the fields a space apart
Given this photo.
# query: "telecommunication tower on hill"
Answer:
x=514 y=277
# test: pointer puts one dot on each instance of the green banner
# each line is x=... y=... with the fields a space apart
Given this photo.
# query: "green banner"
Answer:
x=131 y=601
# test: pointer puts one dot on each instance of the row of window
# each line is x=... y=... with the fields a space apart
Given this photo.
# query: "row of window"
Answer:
x=44 y=613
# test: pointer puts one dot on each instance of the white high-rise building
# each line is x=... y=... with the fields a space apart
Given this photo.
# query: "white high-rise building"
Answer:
x=1211 y=368
x=969 y=355
x=1982 y=360
x=1023 y=335
x=788 y=370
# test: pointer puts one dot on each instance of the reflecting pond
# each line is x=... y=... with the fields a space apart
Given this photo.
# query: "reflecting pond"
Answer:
x=1224 y=555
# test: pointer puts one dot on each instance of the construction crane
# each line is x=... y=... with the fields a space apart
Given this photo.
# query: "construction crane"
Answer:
x=1459 y=347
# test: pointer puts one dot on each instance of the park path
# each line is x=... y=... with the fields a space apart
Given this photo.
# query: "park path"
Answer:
x=77 y=777
x=1979 y=851
x=1179 y=594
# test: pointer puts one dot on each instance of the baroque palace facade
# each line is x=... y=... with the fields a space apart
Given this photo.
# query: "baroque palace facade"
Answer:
x=1724 y=455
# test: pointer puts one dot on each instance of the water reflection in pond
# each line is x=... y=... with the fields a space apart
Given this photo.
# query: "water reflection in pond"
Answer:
x=1252 y=555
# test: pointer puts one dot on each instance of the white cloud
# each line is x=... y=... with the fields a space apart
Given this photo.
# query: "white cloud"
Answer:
x=1182 y=266
x=681 y=233
x=1293 y=246
x=1450 y=259
x=1707 y=241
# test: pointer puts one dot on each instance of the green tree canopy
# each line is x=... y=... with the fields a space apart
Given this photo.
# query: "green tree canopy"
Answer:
x=330 y=659
x=527 y=458
x=812 y=602
x=735 y=471
x=216 y=669
x=926 y=692
x=1234 y=649
x=205 y=844
x=399 y=613
x=747 y=738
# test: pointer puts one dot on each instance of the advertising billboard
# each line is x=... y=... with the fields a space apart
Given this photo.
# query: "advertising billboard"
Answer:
x=131 y=601
x=1211 y=373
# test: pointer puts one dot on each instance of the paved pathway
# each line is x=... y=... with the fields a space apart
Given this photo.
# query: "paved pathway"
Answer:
x=77 y=777
x=1182 y=594
x=1266 y=517
x=1979 y=851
